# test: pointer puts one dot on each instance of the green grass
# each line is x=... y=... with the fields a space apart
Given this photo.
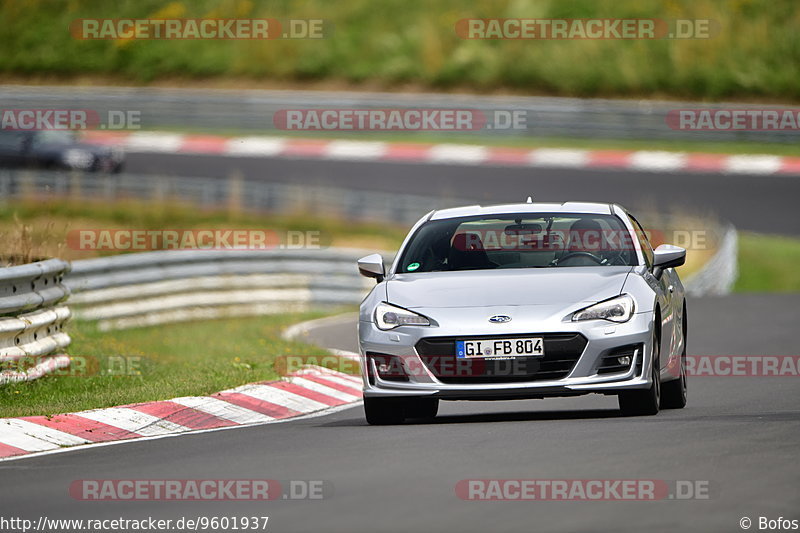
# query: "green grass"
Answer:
x=158 y=363
x=407 y=44
x=39 y=228
x=768 y=263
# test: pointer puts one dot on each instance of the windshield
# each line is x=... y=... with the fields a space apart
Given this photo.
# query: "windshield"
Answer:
x=538 y=240
x=56 y=137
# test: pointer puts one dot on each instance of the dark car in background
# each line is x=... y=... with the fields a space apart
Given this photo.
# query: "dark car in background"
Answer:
x=56 y=150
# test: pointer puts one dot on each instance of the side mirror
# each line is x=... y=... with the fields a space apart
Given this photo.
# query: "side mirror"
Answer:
x=371 y=266
x=667 y=256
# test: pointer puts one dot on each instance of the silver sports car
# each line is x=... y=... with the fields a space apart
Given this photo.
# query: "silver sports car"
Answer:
x=517 y=301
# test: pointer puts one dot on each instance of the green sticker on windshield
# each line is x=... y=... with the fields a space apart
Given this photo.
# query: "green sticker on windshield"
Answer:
x=412 y=267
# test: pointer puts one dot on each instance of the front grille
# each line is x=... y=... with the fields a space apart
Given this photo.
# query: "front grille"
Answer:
x=562 y=351
x=609 y=363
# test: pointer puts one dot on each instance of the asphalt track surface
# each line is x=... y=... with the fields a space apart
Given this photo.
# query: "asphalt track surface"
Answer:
x=739 y=434
x=766 y=204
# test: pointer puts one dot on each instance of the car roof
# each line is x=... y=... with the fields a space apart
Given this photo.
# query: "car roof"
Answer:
x=594 y=208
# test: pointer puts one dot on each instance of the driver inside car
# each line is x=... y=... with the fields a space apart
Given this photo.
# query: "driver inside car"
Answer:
x=588 y=245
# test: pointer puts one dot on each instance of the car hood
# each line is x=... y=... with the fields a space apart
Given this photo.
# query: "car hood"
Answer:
x=97 y=149
x=512 y=287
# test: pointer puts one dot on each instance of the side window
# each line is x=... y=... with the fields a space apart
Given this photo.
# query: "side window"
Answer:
x=643 y=242
x=11 y=140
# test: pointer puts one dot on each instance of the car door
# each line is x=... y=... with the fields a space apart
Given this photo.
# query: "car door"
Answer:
x=665 y=291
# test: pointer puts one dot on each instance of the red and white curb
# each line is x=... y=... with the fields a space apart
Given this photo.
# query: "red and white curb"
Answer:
x=311 y=390
x=463 y=154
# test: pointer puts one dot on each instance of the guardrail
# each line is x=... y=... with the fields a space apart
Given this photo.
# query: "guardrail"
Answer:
x=204 y=109
x=160 y=287
x=32 y=320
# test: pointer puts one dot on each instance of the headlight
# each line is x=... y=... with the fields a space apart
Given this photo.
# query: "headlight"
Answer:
x=390 y=316
x=619 y=309
x=77 y=158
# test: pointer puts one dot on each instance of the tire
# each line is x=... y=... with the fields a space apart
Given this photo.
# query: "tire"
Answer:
x=645 y=402
x=384 y=411
x=674 y=393
x=422 y=408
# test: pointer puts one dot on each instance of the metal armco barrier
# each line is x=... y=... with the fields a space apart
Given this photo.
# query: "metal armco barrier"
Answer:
x=205 y=109
x=159 y=287
x=32 y=320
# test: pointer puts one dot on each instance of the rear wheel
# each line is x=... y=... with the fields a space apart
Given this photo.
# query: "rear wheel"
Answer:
x=673 y=395
x=645 y=402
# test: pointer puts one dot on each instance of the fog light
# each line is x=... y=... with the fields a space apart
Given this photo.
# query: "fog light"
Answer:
x=387 y=366
x=624 y=360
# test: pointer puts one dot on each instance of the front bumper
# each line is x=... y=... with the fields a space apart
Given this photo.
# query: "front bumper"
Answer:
x=586 y=375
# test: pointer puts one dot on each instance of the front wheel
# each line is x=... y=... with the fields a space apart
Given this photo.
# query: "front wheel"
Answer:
x=384 y=411
x=645 y=402
x=422 y=408
x=387 y=411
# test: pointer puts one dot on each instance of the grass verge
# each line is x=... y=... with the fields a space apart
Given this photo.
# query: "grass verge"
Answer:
x=752 y=51
x=39 y=228
x=768 y=263
x=158 y=363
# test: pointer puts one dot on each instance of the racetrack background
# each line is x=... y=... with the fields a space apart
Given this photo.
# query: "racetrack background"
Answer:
x=203 y=338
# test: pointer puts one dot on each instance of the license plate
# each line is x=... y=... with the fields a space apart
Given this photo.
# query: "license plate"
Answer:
x=497 y=348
